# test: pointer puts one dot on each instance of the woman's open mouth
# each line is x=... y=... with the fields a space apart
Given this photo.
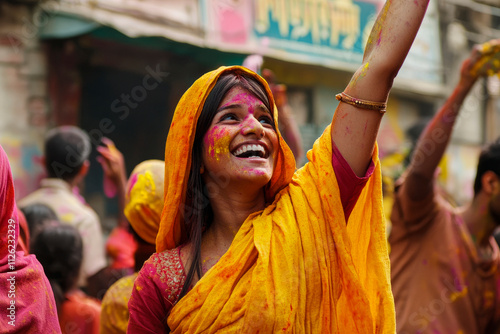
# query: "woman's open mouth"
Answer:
x=251 y=151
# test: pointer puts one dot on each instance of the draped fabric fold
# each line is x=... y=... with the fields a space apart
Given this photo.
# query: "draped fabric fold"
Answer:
x=26 y=301
x=296 y=266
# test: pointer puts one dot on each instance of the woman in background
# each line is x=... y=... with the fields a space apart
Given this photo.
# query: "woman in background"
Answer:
x=59 y=250
x=37 y=215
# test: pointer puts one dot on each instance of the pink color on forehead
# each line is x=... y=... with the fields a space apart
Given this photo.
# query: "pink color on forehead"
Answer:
x=246 y=98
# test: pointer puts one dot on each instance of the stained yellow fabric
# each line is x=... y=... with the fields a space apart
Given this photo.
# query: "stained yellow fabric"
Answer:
x=144 y=198
x=295 y=266
x=114 y=306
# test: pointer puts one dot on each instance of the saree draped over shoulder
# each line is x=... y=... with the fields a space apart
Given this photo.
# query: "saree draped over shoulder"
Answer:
x=26 y=301
x=296 y=266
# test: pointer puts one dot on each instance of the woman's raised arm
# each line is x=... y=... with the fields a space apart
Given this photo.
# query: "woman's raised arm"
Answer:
x=355 y=128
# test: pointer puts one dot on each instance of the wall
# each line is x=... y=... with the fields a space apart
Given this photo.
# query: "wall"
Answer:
x=23 y=100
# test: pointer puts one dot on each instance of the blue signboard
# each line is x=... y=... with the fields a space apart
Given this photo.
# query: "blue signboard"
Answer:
x=315 y=28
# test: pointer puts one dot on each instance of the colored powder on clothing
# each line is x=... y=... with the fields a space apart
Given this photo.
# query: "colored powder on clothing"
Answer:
x=144 y=200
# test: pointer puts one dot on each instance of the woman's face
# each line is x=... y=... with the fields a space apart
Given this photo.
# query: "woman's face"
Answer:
x=241 y=142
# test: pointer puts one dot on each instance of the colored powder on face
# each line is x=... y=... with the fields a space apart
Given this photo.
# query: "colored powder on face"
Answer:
x=254 y=171
x=244 y=98
x=218 y=143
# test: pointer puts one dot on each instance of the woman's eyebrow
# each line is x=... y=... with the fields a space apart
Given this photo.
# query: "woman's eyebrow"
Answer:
x=265 y=109
x=229 y=106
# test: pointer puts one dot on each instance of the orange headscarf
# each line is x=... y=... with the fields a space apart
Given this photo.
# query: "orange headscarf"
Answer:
x=296 y=266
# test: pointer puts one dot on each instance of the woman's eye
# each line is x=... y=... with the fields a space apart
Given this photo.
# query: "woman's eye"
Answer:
x=228 y=117
x=266 y=120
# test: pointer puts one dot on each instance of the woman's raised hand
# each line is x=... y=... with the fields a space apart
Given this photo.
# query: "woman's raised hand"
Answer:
x=354 y=128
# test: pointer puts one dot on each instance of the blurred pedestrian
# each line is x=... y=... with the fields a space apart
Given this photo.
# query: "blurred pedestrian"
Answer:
x=444 y=261
x=26 y=301
x=66 y=153
x=143 y=207
x=59 y=249
x=37 y=215
x=121 y=245
x=286 y=121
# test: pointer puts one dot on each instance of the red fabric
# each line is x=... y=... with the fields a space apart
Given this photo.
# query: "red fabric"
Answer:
x=121 y=247
x=156 y=290
x=350 y=185
x=24 y=233
x=80 y=314
x=25 y=291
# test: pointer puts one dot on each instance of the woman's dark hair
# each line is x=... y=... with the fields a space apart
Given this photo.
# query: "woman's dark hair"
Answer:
x=198 y=216
x=489 y=160
x=36 y=215
x=59 y=249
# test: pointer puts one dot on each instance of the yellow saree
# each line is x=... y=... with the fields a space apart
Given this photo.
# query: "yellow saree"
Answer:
x=296 y=266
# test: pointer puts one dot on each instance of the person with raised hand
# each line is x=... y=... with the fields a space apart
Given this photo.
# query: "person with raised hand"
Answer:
x=444 y=260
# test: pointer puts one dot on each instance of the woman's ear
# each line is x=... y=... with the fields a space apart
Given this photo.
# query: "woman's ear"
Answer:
x=490 y=182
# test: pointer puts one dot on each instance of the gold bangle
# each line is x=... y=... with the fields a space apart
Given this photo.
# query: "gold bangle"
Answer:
x=381 y=107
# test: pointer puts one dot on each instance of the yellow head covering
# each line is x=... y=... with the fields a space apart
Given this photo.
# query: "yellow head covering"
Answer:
x=296 y=266
x=144 y=199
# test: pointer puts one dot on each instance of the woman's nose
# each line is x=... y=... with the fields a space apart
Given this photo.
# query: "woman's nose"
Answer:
x=252 y=125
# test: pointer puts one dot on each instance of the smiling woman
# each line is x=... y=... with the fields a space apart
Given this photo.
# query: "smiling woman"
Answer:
x=234 y=119
x=248 y=244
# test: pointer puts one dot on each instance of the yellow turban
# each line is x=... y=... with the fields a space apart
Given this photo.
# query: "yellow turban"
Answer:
x=144 y=199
